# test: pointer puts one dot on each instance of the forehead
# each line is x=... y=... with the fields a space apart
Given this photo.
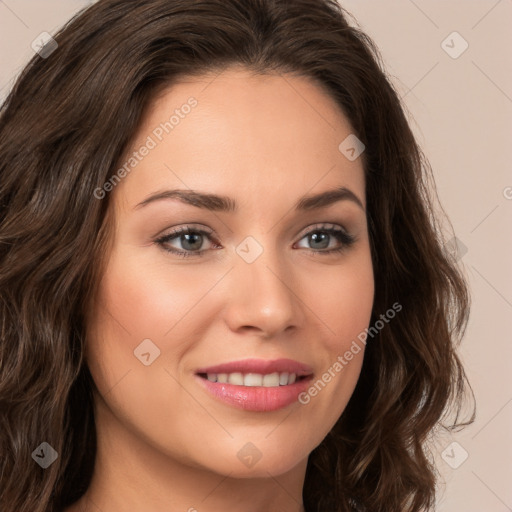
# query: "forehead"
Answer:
x=237 y=131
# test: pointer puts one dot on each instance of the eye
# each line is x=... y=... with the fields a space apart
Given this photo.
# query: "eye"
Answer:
x=321 y=236
x=189 y=237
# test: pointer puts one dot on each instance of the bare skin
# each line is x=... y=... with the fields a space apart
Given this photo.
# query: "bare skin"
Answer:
x=164 y=443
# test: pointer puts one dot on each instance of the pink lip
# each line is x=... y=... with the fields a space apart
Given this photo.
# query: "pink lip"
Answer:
x=257 y=398
x=262 y=366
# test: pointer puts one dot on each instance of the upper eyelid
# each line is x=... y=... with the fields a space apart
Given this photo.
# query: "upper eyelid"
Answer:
x=324 y=225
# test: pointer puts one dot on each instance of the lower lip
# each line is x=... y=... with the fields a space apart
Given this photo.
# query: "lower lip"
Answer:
x=256 y=398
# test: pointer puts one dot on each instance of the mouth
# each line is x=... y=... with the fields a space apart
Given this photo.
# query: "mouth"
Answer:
x=256 y=384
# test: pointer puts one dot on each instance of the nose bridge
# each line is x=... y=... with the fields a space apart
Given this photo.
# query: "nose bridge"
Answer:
x=264 y=297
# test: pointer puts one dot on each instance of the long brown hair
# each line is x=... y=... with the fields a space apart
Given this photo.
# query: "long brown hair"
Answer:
x=64 y=128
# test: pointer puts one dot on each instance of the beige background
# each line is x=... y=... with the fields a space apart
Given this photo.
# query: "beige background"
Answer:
x=461 y=111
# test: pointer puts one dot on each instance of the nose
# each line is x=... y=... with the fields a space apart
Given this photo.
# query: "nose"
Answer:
x=263 y=297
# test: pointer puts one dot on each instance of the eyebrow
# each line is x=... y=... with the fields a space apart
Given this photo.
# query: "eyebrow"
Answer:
x=219 y=203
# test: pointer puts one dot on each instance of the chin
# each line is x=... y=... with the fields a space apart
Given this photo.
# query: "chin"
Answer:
x=251 y=462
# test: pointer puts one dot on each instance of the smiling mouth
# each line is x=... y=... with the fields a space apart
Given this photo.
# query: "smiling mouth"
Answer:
x=269 y=380
x=256 y=385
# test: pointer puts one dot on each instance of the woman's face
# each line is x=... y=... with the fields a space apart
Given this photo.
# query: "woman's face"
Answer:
x=251 y=293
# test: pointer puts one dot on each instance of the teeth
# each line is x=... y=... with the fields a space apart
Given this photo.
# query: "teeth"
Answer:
x=253 y=379
x=236 y=378
x=270 y=380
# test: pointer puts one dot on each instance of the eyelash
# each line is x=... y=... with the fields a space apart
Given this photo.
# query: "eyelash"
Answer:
x=342 y=236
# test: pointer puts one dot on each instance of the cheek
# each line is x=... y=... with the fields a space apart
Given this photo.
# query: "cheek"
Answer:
x=141 y=299
x=343 y=300
x=134 y=304
x=147 y=299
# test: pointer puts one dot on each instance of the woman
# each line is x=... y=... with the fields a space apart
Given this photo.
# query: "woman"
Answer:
x=177 y=332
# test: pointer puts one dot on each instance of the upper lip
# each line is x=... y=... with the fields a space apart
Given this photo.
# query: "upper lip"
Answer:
x=261 y=366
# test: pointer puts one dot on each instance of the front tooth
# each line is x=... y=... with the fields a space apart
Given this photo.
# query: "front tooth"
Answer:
x=222 y=377
x=236 y=378
x=212 y=377
x=253 y=379
x=291 y=378
x=271 y=380
x=283 y=379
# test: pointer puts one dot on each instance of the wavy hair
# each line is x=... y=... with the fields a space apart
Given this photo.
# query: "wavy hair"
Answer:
x=64 y=128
